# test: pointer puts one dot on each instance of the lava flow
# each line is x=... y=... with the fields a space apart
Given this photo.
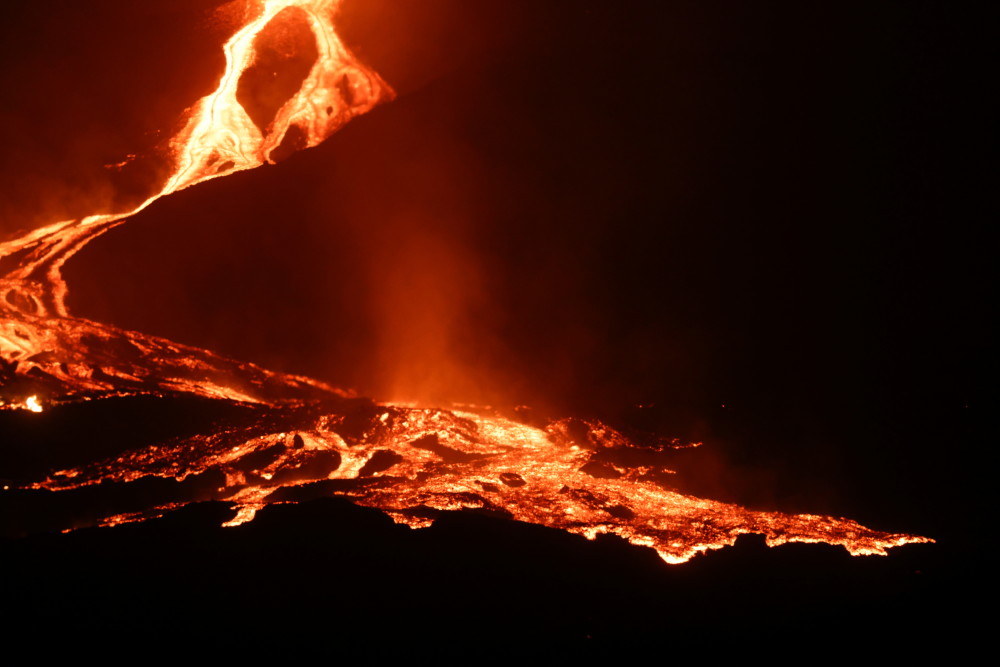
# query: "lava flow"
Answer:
x=295 y=438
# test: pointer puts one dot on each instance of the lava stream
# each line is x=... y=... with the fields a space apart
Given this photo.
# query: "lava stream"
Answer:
x=415 y=463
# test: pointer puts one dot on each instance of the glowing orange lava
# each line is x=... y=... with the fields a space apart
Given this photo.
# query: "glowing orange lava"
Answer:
x=304 y=439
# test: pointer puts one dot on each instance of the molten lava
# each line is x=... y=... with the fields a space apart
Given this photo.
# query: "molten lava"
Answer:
x=304 y=439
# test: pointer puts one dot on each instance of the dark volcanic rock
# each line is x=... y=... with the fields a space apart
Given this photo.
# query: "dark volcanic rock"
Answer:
x=600 y=470
x=512 y=479
x=431 y=443
x=317 y=465
x=381 y=460
x=74 y=434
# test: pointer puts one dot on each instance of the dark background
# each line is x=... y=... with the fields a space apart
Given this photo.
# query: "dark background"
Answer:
x=764 y=222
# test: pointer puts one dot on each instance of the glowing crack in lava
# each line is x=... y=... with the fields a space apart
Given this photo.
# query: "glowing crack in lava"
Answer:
x=297 y=438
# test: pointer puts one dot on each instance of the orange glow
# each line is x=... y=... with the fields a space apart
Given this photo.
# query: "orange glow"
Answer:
x=31 y=404
x=414 y=463
x=218 y=139
x=308 y=439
